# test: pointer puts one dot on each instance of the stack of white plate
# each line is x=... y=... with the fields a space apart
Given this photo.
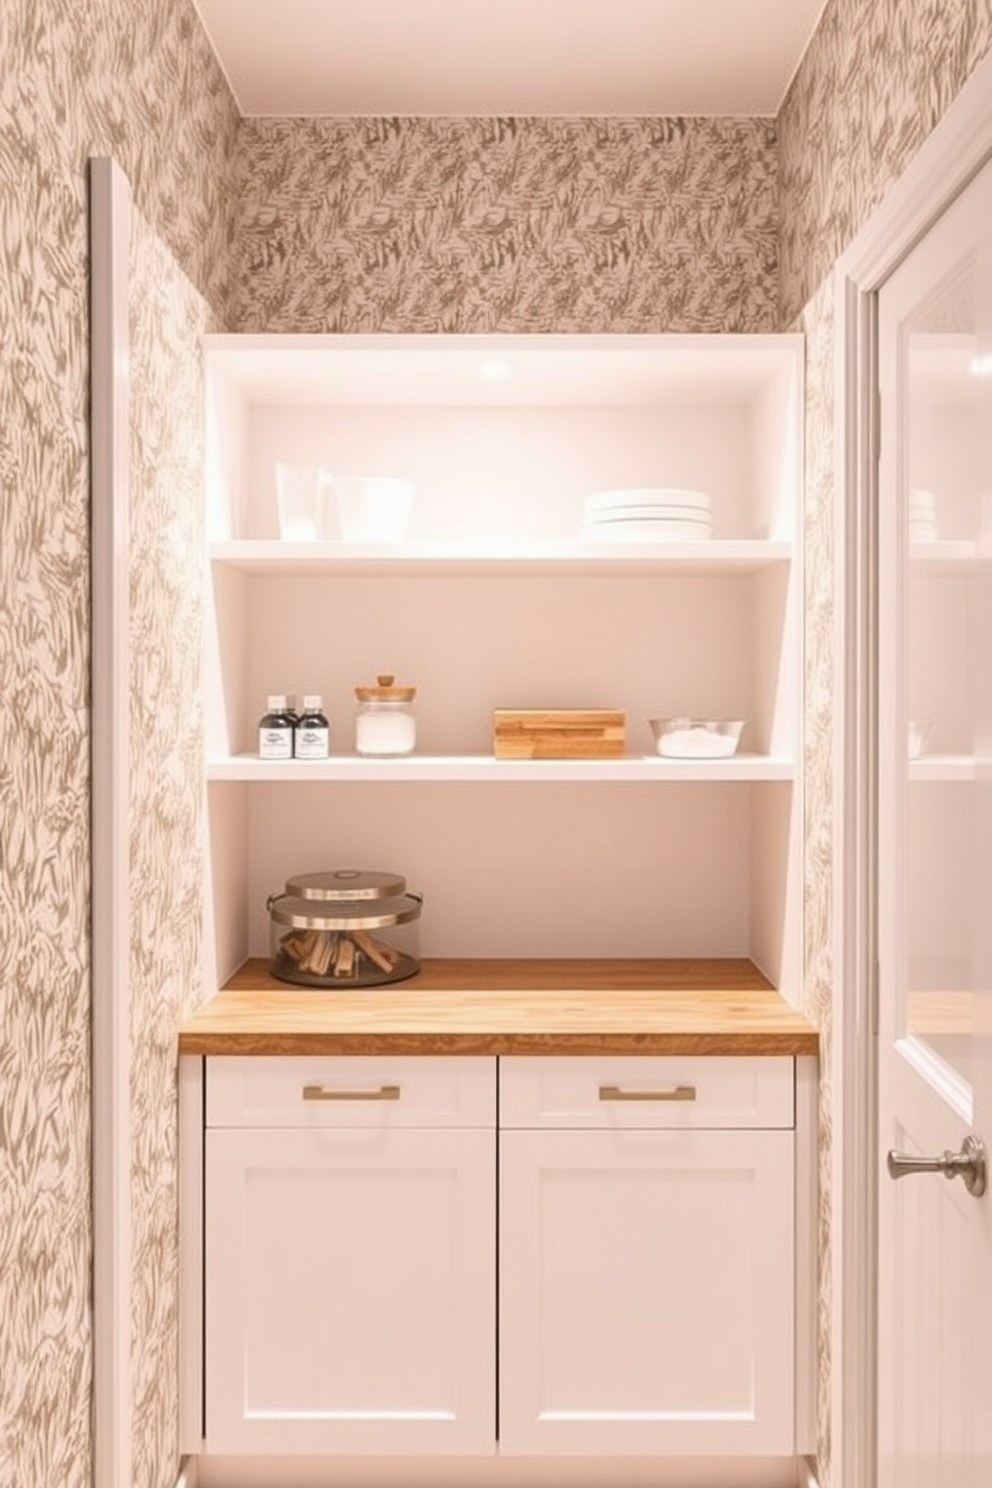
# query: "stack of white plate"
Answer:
x=647 y=513
x=922 y=516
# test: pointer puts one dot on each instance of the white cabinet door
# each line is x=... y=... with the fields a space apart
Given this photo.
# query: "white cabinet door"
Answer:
x=646 y=1292
x=350 y=1291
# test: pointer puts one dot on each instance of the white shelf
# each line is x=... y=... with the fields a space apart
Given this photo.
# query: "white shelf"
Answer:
x=543 y=371
x=431 y=559
x=949 y=553
x=949 y=767
x=417 y=767
x=499 y=598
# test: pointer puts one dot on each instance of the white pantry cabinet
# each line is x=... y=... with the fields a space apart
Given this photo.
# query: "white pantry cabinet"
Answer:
x=647 y=1234
x=629 y=1278
x=349 y=1256
x=495 y=600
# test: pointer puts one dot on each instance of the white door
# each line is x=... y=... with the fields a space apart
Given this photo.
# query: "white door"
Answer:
x=646 y=1292
x=350 y=1284
x=935 y=856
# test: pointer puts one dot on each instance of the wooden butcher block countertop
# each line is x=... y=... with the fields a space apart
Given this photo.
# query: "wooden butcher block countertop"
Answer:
x=509 y=1007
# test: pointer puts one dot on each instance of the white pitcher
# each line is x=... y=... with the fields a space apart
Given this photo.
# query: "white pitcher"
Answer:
x=372 y=508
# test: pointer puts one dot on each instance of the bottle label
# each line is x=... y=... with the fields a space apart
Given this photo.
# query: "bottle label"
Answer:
x=275 y=743
x=312 y=742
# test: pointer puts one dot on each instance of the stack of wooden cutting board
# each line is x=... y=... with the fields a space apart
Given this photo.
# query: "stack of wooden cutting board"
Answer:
x=559 y=733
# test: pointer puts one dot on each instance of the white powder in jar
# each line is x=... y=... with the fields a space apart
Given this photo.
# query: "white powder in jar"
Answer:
x=382 y=729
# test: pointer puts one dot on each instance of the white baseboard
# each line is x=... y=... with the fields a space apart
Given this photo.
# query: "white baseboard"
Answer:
x=499 y=1472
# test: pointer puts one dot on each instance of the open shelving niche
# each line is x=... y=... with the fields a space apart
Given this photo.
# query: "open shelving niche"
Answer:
x=496 y=600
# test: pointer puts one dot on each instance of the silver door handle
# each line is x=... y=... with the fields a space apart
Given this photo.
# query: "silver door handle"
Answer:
x=971 y=1164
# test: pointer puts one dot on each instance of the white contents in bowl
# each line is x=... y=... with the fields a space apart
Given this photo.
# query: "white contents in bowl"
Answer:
x=696 y=742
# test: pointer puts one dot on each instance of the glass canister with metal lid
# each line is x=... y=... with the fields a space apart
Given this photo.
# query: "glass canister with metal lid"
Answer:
x=346 y=927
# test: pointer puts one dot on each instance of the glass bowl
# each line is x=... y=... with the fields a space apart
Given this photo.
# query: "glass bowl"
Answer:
x=696 y=738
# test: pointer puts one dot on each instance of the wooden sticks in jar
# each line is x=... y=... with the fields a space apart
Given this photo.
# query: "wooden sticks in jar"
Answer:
x=337 y=953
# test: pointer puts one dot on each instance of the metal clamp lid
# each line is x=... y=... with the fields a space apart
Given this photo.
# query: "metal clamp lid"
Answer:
x=311 y=914
x=345 y=883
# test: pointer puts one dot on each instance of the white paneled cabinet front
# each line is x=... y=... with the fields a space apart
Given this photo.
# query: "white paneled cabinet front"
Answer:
x=350 y=1257
x=647 y=1257
x=644 y=1296
x=634 y=1297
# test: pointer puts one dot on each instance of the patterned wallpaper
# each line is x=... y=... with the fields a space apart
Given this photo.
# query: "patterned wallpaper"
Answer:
x=439 y=224
x=167 y=321
x=147 y=90
x=817 y=325
x=44 y=1089
x=875 y=80
x=137 y=81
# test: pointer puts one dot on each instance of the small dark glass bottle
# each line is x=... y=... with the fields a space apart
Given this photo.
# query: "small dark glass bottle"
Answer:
x=275 y=730
x=313 y=733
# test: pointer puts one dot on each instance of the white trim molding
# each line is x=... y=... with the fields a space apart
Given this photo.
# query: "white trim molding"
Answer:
x=110 y=219
x=191 y=1222
x=189 y=1476
x=951 y=156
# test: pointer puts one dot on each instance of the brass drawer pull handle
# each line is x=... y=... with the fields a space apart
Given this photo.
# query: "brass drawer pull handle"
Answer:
x=321 y=1093
x=677 y=1093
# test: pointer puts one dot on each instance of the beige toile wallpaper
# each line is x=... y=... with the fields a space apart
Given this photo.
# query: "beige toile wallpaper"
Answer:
x=168 y=319
x=515 y=225
x=543 y=224
x=875 y=80
x=817 y=325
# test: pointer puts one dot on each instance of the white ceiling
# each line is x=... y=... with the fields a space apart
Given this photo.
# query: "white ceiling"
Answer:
x=464 y=57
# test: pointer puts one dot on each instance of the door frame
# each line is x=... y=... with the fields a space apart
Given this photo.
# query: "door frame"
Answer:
x=950 y=157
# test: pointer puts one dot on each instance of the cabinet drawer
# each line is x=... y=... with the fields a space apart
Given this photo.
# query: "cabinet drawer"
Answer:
x=715 y=1092
x=341 y=1091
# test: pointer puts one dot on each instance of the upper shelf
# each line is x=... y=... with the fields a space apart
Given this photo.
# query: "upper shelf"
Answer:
x=491 y=370
x=504 y=438
x=499 y=557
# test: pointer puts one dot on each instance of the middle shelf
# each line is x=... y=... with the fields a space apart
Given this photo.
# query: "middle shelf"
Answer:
x=467 y=767
x=719 y=644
